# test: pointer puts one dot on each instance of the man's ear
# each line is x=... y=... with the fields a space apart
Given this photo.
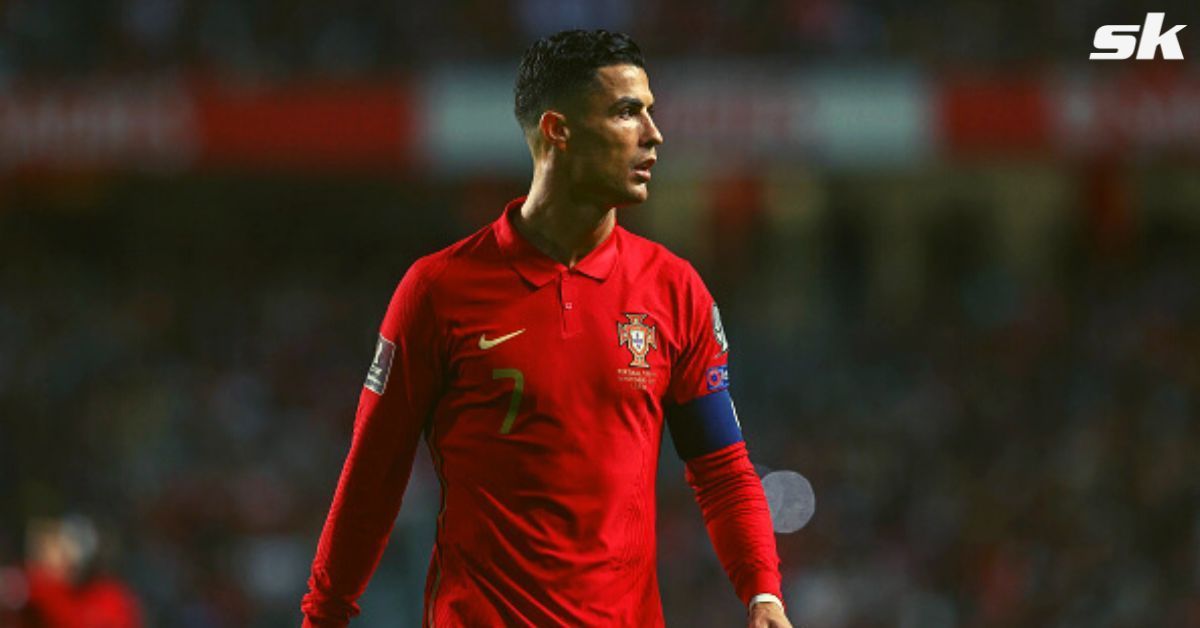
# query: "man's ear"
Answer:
x=553 y=127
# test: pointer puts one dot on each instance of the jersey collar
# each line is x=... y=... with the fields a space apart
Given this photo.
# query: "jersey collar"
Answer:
x=538 y=268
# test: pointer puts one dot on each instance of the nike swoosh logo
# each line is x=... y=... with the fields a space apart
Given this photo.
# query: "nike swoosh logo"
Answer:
x=486 y=344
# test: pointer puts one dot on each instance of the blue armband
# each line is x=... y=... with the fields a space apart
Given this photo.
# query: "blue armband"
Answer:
x=703 y=425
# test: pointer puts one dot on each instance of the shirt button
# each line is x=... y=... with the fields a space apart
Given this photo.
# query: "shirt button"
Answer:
x=567 y=305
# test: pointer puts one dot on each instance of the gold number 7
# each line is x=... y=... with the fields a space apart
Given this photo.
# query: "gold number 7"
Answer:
x=518 y=390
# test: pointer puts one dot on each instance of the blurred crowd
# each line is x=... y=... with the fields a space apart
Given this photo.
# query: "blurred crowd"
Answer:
x=1016 y=454
x=188 y=380
x=181 y=363
x=287 y=38
x=990 y=443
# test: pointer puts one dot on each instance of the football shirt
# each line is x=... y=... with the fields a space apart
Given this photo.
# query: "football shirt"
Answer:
x=540 y=390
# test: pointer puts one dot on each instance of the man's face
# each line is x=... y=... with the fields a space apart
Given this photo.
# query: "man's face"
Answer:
x=612 y=141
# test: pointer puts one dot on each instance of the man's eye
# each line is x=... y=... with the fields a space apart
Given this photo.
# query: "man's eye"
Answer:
x=626 y=113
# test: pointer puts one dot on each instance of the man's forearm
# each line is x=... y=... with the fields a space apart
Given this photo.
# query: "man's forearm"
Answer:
x=735 y=512
x=360 y=520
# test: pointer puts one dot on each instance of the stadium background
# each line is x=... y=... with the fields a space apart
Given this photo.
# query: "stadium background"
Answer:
x=957 y=264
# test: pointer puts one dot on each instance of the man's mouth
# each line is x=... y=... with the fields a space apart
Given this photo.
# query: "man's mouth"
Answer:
x=642 y=169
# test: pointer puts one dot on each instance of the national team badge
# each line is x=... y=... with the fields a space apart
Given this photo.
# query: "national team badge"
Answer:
x=638 y=337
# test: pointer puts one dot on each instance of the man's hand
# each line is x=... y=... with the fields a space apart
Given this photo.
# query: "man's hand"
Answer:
x=768 y=615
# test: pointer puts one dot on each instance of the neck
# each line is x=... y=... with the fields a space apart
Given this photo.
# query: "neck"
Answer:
x=560 y=226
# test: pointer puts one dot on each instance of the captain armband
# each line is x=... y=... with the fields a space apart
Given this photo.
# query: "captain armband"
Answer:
x=704 y=425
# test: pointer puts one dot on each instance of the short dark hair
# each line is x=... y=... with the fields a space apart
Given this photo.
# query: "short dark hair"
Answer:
x=564 y=63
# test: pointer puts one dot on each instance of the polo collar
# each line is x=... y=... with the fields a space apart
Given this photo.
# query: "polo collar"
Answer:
x=538 y=268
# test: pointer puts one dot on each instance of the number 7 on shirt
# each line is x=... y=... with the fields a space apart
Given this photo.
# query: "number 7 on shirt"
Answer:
x=518 y=390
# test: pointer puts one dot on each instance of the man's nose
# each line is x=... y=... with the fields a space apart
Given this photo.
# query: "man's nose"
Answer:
x=653 y=137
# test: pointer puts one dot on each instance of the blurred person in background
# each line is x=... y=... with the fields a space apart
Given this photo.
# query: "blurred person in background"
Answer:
x=64 y=584
x=540 y=357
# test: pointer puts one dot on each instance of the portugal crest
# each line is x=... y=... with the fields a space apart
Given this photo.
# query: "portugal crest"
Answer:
x=638 y=337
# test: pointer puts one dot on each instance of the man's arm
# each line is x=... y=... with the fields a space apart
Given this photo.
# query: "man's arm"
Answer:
x=395 y=401
x=708 y=438
x=729 y=494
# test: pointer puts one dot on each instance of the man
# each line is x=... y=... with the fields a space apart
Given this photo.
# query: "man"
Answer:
x=539 y=357
x=64 y=581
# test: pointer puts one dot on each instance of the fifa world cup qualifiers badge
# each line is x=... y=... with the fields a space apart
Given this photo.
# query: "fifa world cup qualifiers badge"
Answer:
x=719 y=330
x=377 y=375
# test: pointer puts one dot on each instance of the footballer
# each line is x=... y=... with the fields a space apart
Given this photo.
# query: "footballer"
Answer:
x=540 y=359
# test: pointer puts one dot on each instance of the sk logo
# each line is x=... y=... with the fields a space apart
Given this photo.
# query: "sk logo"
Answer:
x=638 y=337
x=1109 y=38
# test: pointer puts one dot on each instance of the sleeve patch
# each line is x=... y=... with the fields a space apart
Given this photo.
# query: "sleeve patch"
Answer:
x=719 y=330
x=717 y=378
x=381 y=366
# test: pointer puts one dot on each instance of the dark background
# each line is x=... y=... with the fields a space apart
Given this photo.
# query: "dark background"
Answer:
x=980 y=345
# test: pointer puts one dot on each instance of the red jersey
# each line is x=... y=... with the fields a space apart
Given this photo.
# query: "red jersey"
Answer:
x=540 y=390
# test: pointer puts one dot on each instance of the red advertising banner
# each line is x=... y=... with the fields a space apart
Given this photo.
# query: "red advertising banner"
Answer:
x=1136 y=114
x=97 y=126
x=993 y=116
x=465 y=124
x=1071 y=115
x=325 y=126
x=170 y=126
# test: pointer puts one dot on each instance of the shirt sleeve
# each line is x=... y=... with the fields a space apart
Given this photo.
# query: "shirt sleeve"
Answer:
x=726 y=487
x=702 y=365
x=401 y=389
x=731 y=499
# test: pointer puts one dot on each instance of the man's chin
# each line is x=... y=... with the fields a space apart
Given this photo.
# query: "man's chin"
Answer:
x=635 y=196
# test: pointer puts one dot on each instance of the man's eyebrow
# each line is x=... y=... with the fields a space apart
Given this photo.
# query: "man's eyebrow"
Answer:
x=630 y=101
